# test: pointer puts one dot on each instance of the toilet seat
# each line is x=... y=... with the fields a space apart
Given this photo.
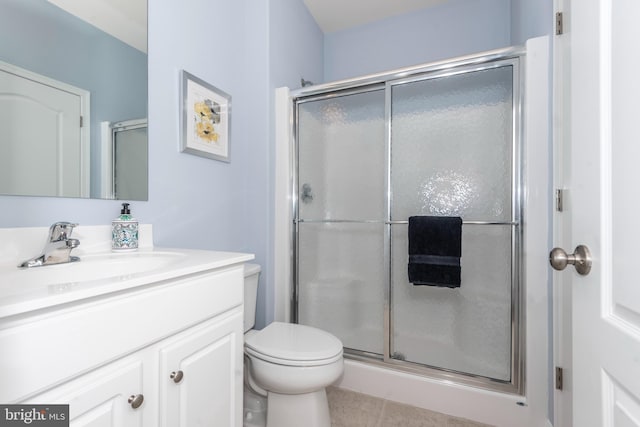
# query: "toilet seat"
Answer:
x=293 y=345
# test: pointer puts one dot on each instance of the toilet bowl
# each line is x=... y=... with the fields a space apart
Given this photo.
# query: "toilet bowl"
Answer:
x=290 y=364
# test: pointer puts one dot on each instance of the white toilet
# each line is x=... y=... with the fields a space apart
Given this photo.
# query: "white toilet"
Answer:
x=290 y=364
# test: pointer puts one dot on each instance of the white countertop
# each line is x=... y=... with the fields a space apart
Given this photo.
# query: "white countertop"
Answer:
x=99 y=271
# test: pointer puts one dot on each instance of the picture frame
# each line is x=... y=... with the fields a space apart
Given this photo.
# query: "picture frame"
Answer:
x=205 y=113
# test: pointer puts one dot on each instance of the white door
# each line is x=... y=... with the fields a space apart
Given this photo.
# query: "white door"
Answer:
x=602 y=175
x=40 y=137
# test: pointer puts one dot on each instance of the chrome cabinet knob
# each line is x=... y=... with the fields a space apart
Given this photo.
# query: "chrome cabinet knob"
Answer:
x=580 y=259
x=136 y=400
x=176 y=376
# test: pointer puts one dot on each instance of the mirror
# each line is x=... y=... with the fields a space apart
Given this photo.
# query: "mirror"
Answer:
x=73 y=98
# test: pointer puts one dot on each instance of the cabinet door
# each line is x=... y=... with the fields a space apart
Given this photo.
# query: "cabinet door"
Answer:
x=201 y=375
x=100 y=398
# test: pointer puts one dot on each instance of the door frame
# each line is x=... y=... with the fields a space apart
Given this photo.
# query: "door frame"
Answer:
x=560 y=283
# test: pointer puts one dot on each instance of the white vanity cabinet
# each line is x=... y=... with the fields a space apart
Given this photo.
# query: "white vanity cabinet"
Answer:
x=167 y=353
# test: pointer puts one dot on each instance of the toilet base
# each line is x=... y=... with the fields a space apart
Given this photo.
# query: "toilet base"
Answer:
x=295 y=410
x=254 y=409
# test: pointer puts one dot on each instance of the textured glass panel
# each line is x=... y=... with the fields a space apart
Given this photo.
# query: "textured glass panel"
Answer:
x=341 y=282
x=451 y=155
x=466 y=329
x=341 y=156
x=451 y=149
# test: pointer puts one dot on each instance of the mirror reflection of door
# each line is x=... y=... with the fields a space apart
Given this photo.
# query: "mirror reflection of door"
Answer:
x=41 y=139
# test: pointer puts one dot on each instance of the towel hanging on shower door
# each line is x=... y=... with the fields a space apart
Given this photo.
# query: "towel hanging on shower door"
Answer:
x=435 y=248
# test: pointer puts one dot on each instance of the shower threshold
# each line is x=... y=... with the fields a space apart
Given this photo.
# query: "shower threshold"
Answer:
x=439 y=374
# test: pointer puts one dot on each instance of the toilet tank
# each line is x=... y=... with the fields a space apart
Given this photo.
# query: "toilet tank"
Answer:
x=251 y=276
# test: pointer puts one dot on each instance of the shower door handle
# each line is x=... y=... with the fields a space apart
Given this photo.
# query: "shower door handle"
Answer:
x=307 y=193
x=580 y=259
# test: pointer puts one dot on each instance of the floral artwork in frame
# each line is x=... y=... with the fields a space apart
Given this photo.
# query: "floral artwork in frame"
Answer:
x=204 y=118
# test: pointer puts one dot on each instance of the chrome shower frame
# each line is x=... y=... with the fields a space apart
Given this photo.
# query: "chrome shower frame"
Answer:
x=515 y=57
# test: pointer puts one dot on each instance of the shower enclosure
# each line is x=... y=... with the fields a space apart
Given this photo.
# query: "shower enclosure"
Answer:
x=438 y=140
x=130 y=154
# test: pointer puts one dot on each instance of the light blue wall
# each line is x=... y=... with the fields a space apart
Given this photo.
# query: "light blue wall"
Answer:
x=225 y=206
x=296 y=51
x=529 y=19
x=297 y=44
x=458 y=27
x=193 y=201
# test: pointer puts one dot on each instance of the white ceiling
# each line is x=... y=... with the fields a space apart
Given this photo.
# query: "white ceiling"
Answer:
x=336 y=15
x=126 y=20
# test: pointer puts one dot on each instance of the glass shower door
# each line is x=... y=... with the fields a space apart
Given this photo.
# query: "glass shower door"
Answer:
x=341 y=180
x=453 y=154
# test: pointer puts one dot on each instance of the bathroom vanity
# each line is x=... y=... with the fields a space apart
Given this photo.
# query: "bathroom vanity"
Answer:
x=147 y=338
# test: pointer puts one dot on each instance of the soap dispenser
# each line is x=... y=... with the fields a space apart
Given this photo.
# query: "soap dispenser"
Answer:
x=124 y=231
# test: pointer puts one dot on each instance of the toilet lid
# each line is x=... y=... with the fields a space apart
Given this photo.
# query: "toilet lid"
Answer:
x=292 y=344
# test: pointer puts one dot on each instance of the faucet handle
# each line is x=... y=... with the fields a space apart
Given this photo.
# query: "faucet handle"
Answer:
x=61 y=231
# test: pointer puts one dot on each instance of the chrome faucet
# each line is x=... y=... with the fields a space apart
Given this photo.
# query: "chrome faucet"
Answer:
x=58 y=248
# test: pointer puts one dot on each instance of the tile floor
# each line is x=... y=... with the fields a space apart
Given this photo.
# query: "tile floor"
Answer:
x=351 y=409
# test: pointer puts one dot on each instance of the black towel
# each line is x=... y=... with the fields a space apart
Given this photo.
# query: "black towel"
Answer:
x=435 y=246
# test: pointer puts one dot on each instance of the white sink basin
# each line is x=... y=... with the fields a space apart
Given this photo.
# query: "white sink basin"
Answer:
x=94 y=267
x=99 y=271
x=91 y=270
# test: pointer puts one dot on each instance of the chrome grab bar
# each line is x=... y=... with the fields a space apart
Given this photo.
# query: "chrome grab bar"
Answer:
x=373 y=221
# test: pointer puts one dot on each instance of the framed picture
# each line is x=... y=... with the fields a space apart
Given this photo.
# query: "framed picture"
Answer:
x=204 y=118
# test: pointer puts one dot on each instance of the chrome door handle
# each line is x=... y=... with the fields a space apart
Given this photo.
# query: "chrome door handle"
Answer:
x=135 y=400
x=580 y=259
x=176 y=376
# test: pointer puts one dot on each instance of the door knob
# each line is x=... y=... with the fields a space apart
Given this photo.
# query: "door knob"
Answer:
x=136 y=400
x=580 y=259
x=176 y=376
